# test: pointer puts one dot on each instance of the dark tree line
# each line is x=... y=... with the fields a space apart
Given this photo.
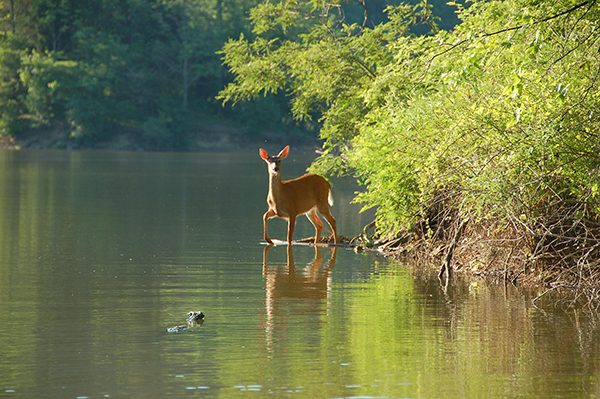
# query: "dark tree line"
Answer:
x=97 y=67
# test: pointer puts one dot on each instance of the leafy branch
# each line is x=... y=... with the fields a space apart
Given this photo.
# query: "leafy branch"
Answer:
x=509 y=29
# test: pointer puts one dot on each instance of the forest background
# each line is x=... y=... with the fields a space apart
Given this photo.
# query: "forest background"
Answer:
x=150 y=69
x=476 y=135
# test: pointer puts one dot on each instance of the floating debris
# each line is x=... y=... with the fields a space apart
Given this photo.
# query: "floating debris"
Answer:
x=194 y=318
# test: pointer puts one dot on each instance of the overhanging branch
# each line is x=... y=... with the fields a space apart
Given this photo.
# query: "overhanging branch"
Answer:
x=513 y=28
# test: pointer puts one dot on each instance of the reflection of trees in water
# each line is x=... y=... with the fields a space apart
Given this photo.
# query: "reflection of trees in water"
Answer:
x=509 y=333
x=283 y=282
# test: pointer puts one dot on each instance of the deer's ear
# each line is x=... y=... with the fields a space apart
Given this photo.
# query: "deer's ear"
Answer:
x=263 y=154
x=284 y=153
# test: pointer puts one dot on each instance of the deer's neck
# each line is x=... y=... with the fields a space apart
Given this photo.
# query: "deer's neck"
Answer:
x=274 y=182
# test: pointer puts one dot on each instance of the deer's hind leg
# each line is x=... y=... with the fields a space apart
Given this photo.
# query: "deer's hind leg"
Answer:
x=314 y=219
x=324 y=210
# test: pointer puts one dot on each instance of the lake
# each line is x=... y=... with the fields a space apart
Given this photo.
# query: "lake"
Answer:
x=102 y=252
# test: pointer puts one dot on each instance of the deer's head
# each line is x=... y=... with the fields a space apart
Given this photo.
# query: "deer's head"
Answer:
x=274 y=162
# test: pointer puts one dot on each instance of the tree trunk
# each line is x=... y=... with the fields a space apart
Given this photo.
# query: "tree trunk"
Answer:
x=12 y=15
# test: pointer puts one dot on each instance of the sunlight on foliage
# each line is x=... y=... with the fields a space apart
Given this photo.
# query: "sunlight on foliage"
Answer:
x=497 y=117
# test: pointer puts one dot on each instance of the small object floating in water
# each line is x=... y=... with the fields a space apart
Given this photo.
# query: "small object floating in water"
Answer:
x=195 y=316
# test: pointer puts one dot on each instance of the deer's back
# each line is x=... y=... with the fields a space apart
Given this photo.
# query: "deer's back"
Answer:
x=306 y=191
x=308 y=182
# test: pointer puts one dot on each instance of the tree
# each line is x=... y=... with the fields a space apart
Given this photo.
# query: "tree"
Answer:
x=12 y=91
x=325 y=65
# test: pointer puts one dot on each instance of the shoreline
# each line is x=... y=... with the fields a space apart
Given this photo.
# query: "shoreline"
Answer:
x=495 y=255
x=218 y=139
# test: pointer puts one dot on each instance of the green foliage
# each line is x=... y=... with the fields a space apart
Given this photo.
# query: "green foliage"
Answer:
x=151 y=66
x=91 y=95
x=45 y=80
x=12 y=91
x=325 y=67
x=497 y=117
x=104 y=66
x=496 y=130
x=99 y=97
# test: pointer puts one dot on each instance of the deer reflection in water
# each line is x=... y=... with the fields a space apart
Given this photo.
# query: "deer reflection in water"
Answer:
x=285 y=283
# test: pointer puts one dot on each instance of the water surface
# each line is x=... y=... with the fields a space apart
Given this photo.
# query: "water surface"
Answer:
x=101 y=252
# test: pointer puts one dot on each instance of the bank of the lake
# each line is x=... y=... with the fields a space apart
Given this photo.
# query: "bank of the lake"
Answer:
x=483 y=250
x=217 y=137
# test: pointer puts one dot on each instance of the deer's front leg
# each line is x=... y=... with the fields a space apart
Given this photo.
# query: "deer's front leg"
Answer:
x=268 y=215
x=291 y=227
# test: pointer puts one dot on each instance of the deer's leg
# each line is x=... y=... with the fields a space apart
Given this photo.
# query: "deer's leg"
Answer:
x=268 y=215
x=291 y=227
x=314 y=219
x=324 y=209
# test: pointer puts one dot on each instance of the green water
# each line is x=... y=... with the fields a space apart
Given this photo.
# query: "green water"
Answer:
x=100 y=253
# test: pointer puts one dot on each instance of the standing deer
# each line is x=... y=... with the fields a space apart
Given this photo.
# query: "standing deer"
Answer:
x=290 y=198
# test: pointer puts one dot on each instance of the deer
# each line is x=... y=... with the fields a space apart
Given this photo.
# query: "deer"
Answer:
x=301 y=196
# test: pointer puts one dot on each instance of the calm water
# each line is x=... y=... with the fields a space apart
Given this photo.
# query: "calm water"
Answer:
x=101 y=252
